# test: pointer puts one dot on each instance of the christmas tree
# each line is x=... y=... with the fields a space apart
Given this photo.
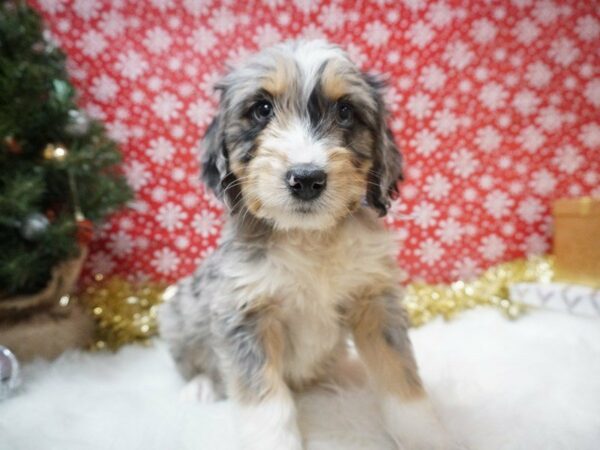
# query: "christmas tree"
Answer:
x=58 y=169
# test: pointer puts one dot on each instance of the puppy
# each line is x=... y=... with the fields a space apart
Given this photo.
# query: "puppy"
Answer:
x=301 y=155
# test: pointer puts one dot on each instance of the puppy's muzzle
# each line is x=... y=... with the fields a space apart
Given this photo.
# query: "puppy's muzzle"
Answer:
x=306 y=181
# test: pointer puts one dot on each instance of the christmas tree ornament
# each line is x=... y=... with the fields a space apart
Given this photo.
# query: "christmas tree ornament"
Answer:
x=9 y=372
x=12 y=145
x=85 y=230
x=34 y=226
x=54 y=152
x=79 y=123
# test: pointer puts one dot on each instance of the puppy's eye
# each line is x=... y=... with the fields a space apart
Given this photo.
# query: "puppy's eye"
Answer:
x=262 y=110
x=345 y=113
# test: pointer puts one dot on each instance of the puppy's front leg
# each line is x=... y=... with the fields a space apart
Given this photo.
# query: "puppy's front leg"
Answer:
x=380 y=332
x=264 y=405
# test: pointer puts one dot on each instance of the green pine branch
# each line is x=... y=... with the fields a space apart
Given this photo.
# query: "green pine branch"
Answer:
x=37 y=102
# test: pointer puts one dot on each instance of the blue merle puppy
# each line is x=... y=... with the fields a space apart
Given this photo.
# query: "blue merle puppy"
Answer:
x=301 y=155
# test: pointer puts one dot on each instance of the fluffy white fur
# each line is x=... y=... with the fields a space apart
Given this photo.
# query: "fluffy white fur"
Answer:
x=532 y=384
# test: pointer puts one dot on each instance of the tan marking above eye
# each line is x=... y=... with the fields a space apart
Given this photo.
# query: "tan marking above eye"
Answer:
x=279 y=79
x=333 y=82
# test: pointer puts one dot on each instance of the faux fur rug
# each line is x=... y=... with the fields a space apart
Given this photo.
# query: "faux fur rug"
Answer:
x=499 y=385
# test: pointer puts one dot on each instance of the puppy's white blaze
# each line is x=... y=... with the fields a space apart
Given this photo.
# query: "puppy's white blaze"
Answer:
x=298 y=145
x=269 y=425
x=414 y=425
x=310 y=56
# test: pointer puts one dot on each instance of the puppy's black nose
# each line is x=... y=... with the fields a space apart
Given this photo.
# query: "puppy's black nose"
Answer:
x=306 y=181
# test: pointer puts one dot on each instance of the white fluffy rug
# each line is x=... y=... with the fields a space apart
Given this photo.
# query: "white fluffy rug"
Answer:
x=499 y=385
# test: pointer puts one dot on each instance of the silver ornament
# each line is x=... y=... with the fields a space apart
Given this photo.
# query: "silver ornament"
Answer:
x=78 y=124
x=9 y=372
x=34 y=226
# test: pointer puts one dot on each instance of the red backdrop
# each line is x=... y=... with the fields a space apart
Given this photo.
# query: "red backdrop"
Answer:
x=496 y=106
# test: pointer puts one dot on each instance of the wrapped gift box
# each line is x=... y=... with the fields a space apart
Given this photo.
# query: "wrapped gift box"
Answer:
x=571 y=298
x=577 y=241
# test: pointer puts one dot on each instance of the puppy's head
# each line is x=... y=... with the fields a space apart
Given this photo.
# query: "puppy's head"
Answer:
x=300 y=139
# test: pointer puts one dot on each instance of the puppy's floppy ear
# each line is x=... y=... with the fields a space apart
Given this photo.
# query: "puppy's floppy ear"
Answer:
x=387 y=160
x=214 y=156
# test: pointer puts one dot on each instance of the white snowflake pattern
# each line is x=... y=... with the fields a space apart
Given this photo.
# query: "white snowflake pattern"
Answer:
x=592 y=92
x=266 y=35
x=493 y=96
x=157 y=40
x=52 y=6
x=564 y=51
x=165 y=261
x=458 y=54
x=120 y=243
x=162 y=5
x=170 y=216
x=536 y=244
x=104 y=88
x=425 y=214
x=588 y=28
x=437 y=186
x=526 y=31
x=432 y=77
x=465 y=269
x=376 y=33
x=445 y=122
x=488 y=139
x=440 y=14
x=492 y=247
x=531 y=138
x=545 y=11
x=450 y=231
x=306 y=6
x=113 y=23
x=550 y=118
x=590 y=135
x=543 y=182
x=538 y=74
x=483 y=31
x=463 y=163
x=137 y=174
x=568 y=159
x=332 y=17
x=161 y=150
x=206 y=223
x=87 y=9
x=203 y=40
x=429 y=251
x=197 y=7
x=131 y=64
x=530 y=210
x=497 y=203
x=100 y=262
x=92 y=43
x=419 y=105
x=222 y=20
x=200 y=112
x=166 y=106
x=420 y=34
x=526 y=102
x=425 y=142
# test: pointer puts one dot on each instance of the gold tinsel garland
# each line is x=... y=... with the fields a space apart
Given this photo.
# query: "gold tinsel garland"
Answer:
x=126 y=312
x=425 y=302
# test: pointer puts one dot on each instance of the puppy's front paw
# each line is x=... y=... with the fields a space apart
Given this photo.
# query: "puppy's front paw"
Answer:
x=199 y=390
x=414 y=425
x=269 y=425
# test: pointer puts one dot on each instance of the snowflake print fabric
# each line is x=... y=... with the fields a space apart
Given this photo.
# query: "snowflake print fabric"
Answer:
x=495 y=105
